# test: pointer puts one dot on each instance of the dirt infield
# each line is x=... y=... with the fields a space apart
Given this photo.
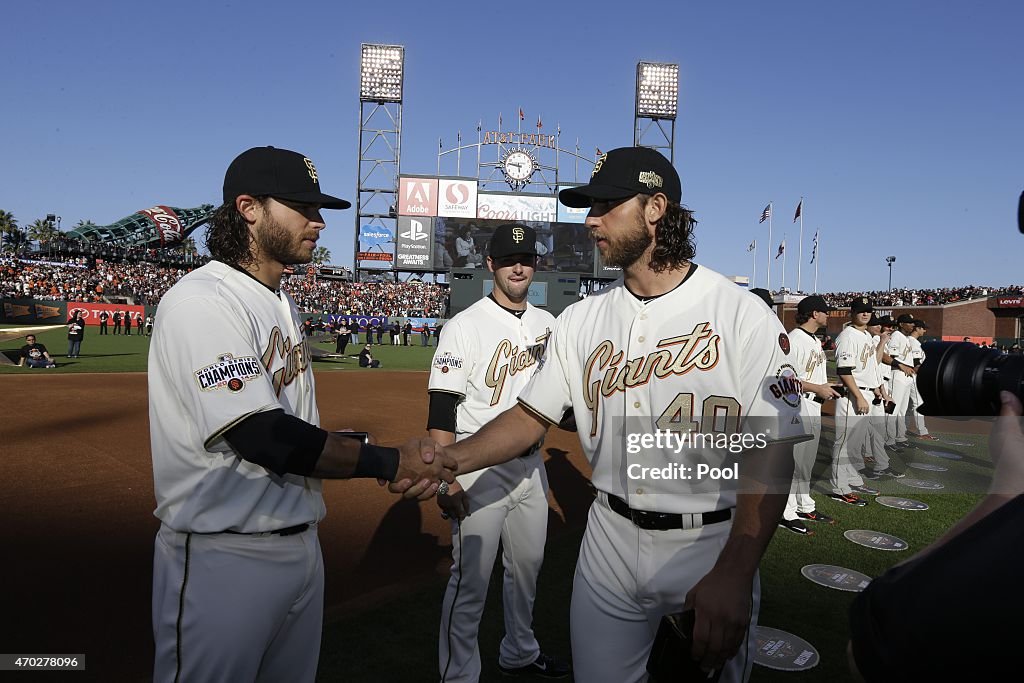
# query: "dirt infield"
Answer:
x=77 y=501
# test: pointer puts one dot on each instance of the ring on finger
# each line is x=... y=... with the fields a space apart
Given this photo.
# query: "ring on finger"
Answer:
x=442 y=488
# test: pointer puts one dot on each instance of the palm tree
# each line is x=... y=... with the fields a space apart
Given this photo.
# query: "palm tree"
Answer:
x=8 y=226
x=321 y=255
x=84 y=223
x=41 y=231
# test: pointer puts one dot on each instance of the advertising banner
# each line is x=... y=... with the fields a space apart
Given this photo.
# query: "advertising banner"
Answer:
x=360 y=321
x=457 y=198
x=168 y=226
x=375 y=246
x=517 y=207
x=603 y=271
x=417 y=196
x=567 y=214
x=91 y=312
x=414 y=249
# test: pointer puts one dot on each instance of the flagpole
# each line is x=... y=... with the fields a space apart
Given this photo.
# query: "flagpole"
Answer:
x=479 y=129
x=458 y=158
x=783 y=262
x=800 y=257
x=753 y=279
x=817 y=257
x=439 y=156
x=771 y=210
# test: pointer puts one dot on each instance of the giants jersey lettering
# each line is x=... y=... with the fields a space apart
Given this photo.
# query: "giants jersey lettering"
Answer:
x=224 y=347
x=854 y=349
x=487 y=355
x=808 y=356
x=704 y=359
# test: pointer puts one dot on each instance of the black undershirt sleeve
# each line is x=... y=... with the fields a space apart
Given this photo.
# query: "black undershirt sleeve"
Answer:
x=280 y=442
x=844 y=371
x=442 y=411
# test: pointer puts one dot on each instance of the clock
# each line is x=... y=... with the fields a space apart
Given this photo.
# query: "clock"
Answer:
x=518 y=165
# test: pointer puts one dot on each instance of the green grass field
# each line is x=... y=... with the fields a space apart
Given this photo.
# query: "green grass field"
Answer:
x=120 y=353
x=354 y=649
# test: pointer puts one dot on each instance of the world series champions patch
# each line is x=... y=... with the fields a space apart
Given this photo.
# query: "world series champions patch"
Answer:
x=229 y=372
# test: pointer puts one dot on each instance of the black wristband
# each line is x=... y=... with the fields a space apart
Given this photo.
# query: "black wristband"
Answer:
x=376 y=462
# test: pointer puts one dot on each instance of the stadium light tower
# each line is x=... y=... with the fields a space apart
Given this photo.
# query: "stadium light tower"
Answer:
x=890 y=260
x=657 y=102
x=381 y=77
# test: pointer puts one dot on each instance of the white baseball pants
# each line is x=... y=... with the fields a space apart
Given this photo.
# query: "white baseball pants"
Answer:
x=804 y=455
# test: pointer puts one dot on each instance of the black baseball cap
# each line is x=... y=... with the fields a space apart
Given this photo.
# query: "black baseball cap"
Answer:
x=278 y=173
x=625 y=172
x=765 y=295
x=861 y=304
x=920 y=323
x=511 y=238
x=810 y=304
x=887 y=321
x=875 y=320
x=905 y=318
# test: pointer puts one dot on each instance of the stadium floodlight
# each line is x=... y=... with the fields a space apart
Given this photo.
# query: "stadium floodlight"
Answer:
x=381 y=70
x=890 y=260
x=657 y=90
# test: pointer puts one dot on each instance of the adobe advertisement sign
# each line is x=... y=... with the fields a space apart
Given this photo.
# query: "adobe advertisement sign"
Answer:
x=417 y=196
x=375 y=247
x=517 y=207
x=414 y=249
x=168 y=226
x=456 y=198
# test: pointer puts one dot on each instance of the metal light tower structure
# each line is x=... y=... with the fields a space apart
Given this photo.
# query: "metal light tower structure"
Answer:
x=657 y=102
x=381 y=77
x=890 y=260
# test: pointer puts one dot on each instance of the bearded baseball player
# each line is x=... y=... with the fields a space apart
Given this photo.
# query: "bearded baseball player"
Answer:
x=809 y=360
x=672 y=350
x=484 y=358
x=238 y=455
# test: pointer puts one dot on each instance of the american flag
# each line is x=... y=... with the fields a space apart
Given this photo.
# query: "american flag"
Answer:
x=766 y=214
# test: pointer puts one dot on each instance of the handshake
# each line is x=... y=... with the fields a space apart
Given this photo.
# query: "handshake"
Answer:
x=423 y=470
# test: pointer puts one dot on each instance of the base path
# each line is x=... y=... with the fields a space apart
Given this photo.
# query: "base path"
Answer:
x=78 y=525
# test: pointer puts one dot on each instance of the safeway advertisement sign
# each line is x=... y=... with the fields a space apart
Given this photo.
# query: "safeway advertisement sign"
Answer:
x=457 y=198
x=417 y=196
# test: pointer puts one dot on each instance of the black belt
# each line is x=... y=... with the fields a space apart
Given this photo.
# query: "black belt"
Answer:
x=288 y=531
x=663 y=521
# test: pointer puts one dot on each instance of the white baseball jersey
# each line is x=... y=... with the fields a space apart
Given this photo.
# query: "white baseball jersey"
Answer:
x=808 y=356
x=855 y=349
x=883 y=373
x=900 y=348
x=916 y=351
x=700 y=361
x=486 y=355
x=225 y=347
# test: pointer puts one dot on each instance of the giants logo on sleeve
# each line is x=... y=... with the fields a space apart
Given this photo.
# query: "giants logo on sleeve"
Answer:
x=509 y=360
x=787 y=387
x=228 y=372
x=295 y=357
x=697 y=350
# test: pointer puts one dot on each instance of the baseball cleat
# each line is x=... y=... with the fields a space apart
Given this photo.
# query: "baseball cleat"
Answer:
x=849 y=499
x=544 y=666
x=868 y=473
x=890 y=472
x=927 y=437
x=866 y=490
x=895 y=448
x=815 y=516
x=796 y=526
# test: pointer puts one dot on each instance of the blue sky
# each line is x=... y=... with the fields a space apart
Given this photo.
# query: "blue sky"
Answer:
x=898 y=122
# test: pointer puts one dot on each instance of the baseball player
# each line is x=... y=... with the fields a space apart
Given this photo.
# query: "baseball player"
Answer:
x=672 y=350
x=873 y=452
x=809 y=360
x=238 y=455
x=917 y=354
x=484 y=358
x=900 y=350
x=855 y=349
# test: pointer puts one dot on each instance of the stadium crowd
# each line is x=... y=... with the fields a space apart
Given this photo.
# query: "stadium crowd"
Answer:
x=67 y=277
x=143 y=276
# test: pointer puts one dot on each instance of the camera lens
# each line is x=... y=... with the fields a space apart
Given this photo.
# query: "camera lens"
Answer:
x=958 y=379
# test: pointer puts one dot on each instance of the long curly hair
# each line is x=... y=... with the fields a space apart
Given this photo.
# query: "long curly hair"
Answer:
x=228 y=239
x=674 y=244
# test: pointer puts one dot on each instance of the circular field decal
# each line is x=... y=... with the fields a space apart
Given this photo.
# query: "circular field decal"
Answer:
x=922 y=484
x=944 y=454
x=875 y=539
x=840 y=578
x=927 y=466
x=783 y=651
x=901 y=503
